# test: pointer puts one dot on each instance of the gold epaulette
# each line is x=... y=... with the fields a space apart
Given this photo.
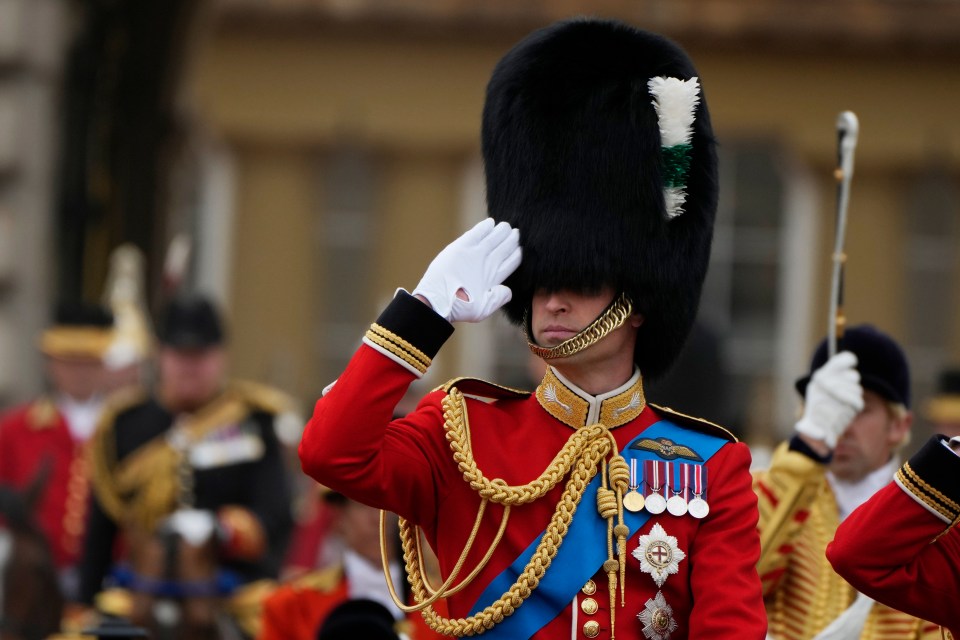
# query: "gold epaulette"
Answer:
x=42 y=413
x=323 y=580
x=697 y=424
x=263 y=397
x=482 y=389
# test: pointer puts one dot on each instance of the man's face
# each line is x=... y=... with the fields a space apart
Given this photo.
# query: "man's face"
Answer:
x=559 y=315
x=189 y=378
x=77 y=376
x=870 y=440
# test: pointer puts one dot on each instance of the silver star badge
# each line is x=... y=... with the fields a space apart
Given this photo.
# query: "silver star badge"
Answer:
x=659 y=554
x=657 y=618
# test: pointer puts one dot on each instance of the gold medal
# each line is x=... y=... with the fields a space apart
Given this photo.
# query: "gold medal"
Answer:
x=633 y=501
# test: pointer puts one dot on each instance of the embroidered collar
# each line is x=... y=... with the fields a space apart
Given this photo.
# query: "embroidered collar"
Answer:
x=576 y=408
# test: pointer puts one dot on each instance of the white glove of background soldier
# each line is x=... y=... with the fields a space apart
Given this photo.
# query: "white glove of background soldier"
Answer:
x=196 y=526
x=477 y=262
x=834 y=398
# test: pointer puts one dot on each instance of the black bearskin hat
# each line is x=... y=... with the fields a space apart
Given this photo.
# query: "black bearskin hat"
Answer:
x=573 y=159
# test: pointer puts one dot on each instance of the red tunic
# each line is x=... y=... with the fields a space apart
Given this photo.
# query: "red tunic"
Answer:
x=406 y=466
x=902 y=547
x=30 y=435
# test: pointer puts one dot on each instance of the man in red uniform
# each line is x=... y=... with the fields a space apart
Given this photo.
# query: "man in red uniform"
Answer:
x=579 y=510
x=902 y=546
x=52 y=430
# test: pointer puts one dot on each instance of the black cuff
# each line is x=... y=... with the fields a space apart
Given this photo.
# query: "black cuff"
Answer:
x=797 y=444
x=416 y=323
x=936 y=472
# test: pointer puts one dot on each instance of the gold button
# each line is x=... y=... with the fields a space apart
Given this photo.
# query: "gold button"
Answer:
x=589 y=606
x=590 y=588
x=591 y=629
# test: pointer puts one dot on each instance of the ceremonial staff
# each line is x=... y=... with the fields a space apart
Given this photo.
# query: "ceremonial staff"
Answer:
x=847 y=129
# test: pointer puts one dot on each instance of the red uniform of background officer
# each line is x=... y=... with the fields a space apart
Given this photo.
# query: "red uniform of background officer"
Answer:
x=52 y=430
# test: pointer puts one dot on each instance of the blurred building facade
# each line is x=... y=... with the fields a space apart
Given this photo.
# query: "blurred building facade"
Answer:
x=332 y=148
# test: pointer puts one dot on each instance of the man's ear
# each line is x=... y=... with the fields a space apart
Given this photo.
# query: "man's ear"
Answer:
x=901 y=429
x=636 y=320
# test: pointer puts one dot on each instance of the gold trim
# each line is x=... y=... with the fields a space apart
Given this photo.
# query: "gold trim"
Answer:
x=42 y=414
x=624 y=407
x=729 y=434
x=390 y=335
x=505 y=391
x=75 y=341
x=562 y=402
x=401 y=350
x=926 y=493
x=610 y=320
x=573 y=410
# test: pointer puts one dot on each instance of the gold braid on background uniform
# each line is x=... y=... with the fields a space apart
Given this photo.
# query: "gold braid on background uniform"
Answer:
x=612 y=318
x=587 y=449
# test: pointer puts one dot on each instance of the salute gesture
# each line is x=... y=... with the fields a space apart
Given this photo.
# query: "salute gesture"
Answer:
x=833 y=399
x=464 y=281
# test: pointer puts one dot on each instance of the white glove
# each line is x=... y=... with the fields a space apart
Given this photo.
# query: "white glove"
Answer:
x=196 y=526
x=477 y=262
x=834 y=398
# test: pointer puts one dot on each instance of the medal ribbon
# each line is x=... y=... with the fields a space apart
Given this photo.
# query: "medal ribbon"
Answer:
x=657 y=473
x=685 y=472
x=584 y=548
x=700 y=481
x=676 y=478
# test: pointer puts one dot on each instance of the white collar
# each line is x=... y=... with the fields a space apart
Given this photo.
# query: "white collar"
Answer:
x=81 y=416
x=365 y=580
x=850 y=495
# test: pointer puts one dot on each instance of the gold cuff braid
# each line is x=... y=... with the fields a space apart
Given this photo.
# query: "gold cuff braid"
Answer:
x=611 y=319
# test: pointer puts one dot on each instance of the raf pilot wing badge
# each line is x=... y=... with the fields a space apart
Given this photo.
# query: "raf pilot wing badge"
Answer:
x=667 y=449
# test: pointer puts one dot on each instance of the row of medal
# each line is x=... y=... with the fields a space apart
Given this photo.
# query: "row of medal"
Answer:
x=675 y=487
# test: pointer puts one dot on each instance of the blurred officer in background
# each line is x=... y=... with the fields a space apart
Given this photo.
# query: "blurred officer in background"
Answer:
x=856 y=416
x=51 y=431
x=193 y=476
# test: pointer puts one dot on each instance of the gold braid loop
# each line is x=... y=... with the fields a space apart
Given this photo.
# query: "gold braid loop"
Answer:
x=580 y=458
x=611 y=319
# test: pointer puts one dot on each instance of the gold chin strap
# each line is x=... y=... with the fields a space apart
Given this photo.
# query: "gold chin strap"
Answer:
x=611 y=319
x=588 y=449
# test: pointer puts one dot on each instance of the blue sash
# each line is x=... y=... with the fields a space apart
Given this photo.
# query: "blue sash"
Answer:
x=584 y=548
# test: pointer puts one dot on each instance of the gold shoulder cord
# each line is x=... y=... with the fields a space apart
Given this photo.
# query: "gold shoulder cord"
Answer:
x=586 y=448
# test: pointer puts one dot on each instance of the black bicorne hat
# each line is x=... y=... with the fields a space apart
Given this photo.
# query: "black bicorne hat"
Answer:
x=575 y=159
x=880 y=360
